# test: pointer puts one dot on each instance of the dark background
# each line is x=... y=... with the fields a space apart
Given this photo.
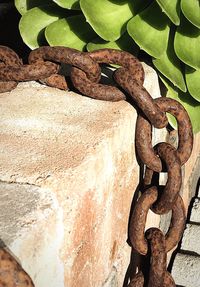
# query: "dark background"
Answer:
x=9 y=32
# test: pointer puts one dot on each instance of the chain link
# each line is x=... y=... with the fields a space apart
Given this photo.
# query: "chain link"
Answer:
x=44 y=65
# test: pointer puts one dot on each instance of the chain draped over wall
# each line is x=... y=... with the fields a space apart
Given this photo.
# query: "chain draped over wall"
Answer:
x=44 y=64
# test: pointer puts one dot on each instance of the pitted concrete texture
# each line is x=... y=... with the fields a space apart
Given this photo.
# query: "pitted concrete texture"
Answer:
x=195 y=214
x=186 y=265
x=82 y=152
x=190 y=239
x=30 y=218
x=186 y=270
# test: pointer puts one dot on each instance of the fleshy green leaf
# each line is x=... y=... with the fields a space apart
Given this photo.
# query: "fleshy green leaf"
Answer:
x=69 y=4
x=125 y=43
x=108 y=18
x=190 y=104
x=67 y=32
x=169 y=65
x=193 y=82
x=150 y=30
x=33 y=23
x=187 y=43
x=24 y=5
x=191 y=10
x=171 y=9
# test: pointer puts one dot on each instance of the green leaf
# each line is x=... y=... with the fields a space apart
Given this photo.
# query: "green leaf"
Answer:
x=125 y=43
x=150 y=30
x=169 y=65
x=67 y=32
x=171 y=9
x=192 y=79
x=33 y=23
x=68 y=4
x=190 y=104
x=24 y=5
x=108 y=18
x=187 y=43
x=191 y=10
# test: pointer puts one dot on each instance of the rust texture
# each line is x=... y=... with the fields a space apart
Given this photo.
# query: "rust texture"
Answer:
x=142 y=98
x=138 y=220
x=143 y=142
x=168 y=280
x=28 y=72
x=144 y=138
x=95 y=90
x=137 y=280
x=169 y=195
x=177 y=224
x=124 y=59
x=158 y=266
x=108 y=56
x=11 y=272
x=67 y=56
x=8 y=58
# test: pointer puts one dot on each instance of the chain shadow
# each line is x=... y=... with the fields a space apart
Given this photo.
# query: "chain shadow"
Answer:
x=135 y=258
x=2 y=243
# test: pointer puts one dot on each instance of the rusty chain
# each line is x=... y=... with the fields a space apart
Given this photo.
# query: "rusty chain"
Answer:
x=44 y=64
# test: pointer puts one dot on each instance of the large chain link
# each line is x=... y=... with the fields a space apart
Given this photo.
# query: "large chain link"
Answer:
x=44 y=65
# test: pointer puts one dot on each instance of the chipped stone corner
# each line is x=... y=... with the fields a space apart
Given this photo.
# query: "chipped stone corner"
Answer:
x=29 y=219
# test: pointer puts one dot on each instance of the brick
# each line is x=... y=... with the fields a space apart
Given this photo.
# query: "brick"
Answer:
x=195 y=214
x=190 y=240
x=185 y=270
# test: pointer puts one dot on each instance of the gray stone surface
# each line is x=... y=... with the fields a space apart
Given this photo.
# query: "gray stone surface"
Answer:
x=195 y=214
x=190 y=239
x=112 y=279
x=186 y=270
x=30 y=219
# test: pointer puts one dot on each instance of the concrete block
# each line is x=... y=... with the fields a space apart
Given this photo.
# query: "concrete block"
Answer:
x=190 y=240
x=81 y=152
x=185 y=270
x=195 y=214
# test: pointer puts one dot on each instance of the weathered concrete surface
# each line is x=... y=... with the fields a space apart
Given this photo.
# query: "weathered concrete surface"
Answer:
x=190 y=239
x=68 y=173
x=195 y=214
x=70 y=164
x=30 y=219
x=191 y=172
x=186 y=270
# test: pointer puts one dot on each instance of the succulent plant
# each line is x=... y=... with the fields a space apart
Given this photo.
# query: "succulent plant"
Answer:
x=167 y=30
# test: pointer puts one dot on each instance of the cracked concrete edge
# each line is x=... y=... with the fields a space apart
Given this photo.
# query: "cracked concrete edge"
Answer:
x=37 y=209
